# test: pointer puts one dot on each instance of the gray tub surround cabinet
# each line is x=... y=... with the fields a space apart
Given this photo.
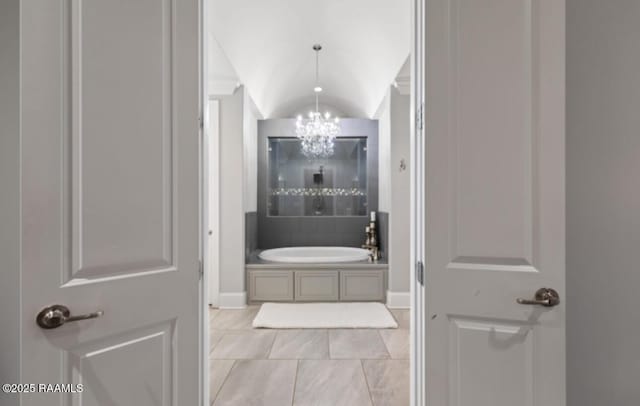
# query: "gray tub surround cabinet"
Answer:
x=270 y=286
x=289 y=231
x=316 y=285
x=279 y=282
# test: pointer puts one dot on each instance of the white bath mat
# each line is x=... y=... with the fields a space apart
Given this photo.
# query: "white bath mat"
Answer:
x=324 y=315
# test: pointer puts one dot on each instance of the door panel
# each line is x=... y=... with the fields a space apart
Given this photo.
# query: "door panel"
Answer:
x=490 y=362
x=494 y=201
x=491 y=107
x=121 y=109
x=110 y=106
x=143 y=383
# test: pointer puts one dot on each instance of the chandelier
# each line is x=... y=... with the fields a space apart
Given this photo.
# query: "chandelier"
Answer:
x=318 y=132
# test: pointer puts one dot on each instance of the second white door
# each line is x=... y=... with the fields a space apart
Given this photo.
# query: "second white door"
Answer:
x=110 y=222
x=495 y=224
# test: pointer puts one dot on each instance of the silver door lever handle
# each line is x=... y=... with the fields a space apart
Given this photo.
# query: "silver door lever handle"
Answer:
x=546 y=297
x=55 y=316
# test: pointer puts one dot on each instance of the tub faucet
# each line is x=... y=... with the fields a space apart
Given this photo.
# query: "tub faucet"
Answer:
x=371 y=243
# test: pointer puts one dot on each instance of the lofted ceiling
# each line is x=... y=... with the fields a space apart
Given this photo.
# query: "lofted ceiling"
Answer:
x=267 y=46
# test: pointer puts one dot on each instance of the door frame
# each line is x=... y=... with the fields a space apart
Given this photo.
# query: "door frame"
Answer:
x=211 y=243
x=417 y=207
x=418 y=304
x=204 y=205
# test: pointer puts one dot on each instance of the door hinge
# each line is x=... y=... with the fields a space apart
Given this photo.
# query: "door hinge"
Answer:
x=201 y=122
x=420 y=117
x=420 y=272
x=200 y=269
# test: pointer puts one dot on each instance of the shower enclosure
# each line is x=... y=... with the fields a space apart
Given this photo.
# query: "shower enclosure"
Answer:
x=332 y=186
x=319 y=201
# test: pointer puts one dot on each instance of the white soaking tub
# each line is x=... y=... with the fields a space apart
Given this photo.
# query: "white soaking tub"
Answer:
x=315 y=255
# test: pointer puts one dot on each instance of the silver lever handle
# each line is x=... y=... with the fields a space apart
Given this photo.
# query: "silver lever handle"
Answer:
x=546 y=297
x=55 y=316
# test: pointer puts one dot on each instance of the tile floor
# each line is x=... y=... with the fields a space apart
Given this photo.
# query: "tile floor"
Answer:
x=269 y=367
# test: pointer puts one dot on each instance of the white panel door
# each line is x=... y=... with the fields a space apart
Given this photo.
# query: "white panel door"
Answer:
x=110 y=105
x=495 y=224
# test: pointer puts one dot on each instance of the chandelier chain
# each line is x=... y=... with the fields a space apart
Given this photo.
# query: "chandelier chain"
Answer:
x=317 y=133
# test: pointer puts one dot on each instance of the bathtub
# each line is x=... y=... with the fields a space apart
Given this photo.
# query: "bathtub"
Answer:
x=315 y=255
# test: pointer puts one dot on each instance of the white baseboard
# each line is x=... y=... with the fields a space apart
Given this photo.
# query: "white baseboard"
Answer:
x=398 y=300
x=235 y=300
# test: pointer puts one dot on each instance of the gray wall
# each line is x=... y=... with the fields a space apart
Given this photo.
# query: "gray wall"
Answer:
x=279 y=231
x=400 y=183
x=603 y=202
x=9 y=196
x=383 y=234
x=250 y=233
x=232 y=216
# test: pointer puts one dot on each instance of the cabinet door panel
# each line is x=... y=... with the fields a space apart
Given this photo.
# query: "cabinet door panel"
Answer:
x=272 y=286
x=362 y=285
x=316 y=286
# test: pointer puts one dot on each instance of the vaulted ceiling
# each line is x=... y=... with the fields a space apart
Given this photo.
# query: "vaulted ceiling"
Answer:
x=267 y=46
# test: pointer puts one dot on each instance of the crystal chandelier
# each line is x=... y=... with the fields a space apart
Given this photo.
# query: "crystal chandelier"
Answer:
x=318 y=132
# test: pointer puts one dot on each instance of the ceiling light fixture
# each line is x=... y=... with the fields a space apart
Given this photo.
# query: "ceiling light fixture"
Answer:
x=317 y=133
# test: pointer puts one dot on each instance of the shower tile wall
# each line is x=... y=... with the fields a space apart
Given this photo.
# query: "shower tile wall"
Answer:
x=383 y=233
x=281 y=231
x=250 y=233
x=318 y=231
x=274 y=232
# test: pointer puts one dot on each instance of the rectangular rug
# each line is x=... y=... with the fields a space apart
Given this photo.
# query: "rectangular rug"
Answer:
x=324 y=315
